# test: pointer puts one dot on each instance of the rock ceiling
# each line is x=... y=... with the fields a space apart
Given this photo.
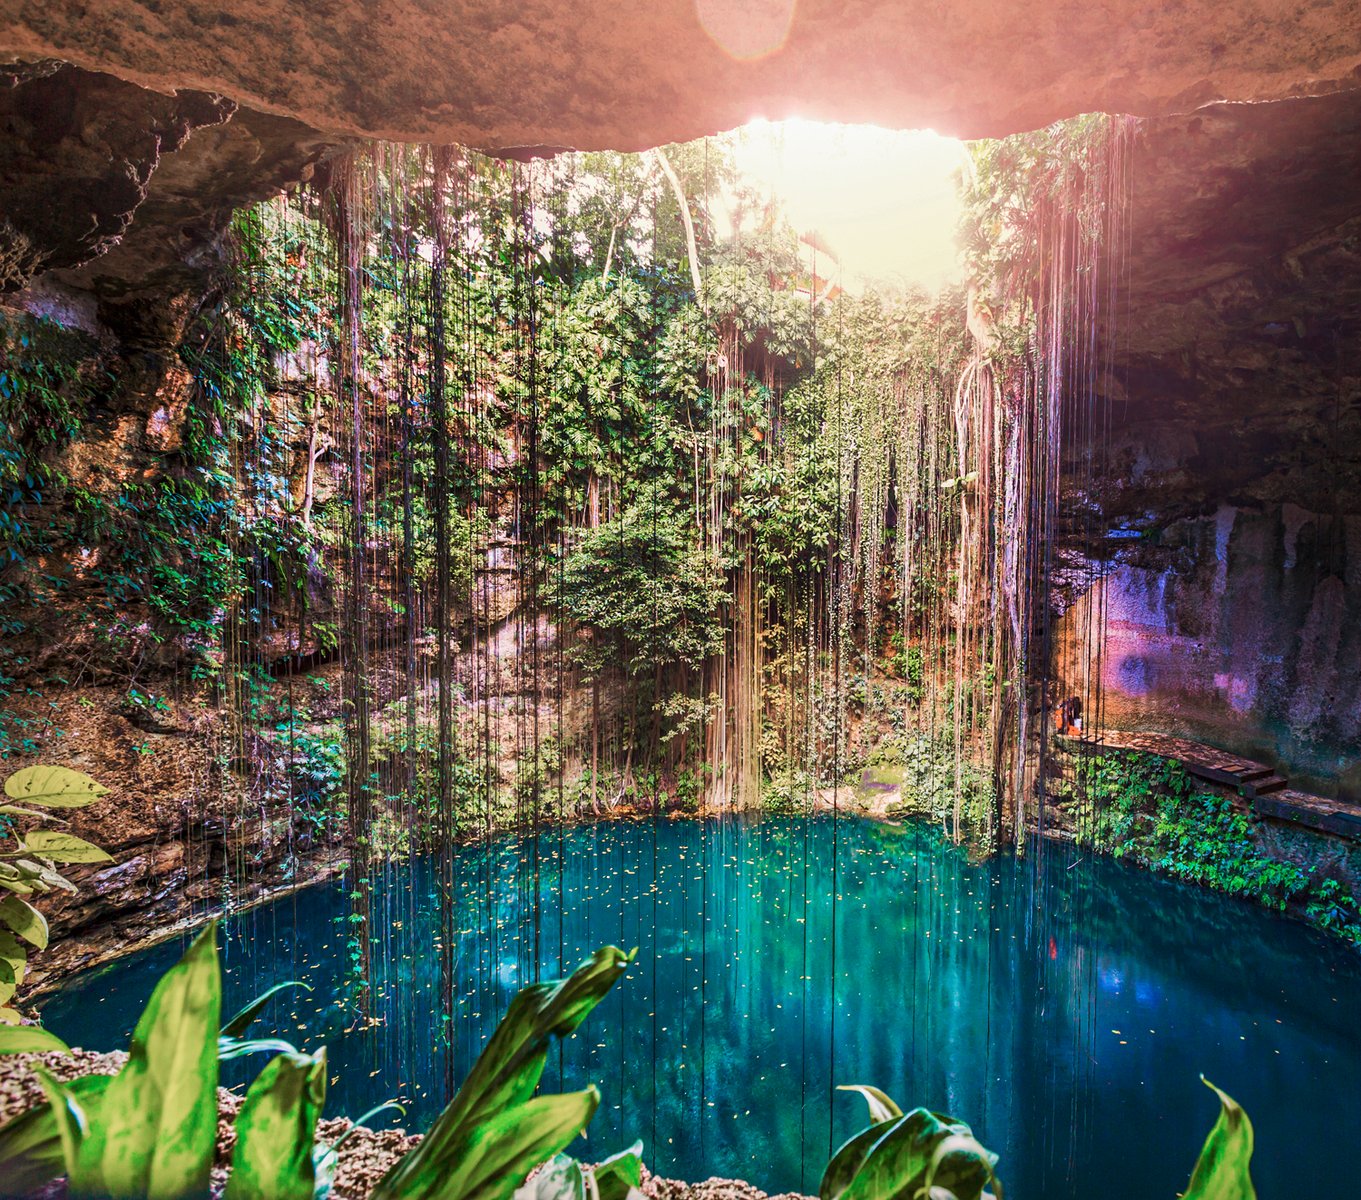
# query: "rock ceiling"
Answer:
x=605 y=74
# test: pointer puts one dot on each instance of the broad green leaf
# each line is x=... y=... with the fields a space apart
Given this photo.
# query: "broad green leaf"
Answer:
x=277 y=1129
x=30 y=1145
x=25 y=920
x=9 y=981
x=847 y=1161
x=64 y=847
x=14 y=952
x=17 y=810
x=881 y=1107
x=53 y=787
x=898 y=1160
x=67 y=1117
x=508 y=1070
x=1222 y=1170
x=246 y=1016
x=41 y=876
x=11 y=1016
x=489 y=1160
x=158 y=1125
x=229 y=1048
x=619 y=1174
x=962 y=1167
x=30 y=1039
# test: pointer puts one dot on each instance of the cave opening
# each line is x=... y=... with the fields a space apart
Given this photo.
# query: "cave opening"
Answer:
x=906 y=587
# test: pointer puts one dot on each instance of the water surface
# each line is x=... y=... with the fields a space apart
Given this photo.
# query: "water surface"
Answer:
x=1064 y=1006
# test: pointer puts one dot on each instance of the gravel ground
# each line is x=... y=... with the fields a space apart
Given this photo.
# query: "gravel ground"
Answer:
x=364 y=1159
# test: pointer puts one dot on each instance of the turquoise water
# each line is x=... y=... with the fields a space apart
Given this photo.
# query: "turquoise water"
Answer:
x=1063 y=1006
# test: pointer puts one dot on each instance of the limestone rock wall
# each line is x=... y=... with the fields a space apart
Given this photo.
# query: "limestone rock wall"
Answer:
x=1241 y=629
x=1223 y=521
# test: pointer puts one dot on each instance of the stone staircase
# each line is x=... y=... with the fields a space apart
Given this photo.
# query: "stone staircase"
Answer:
x=1269 y=792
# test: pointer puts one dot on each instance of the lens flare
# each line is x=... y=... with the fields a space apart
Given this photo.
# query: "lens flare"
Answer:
x=747 y=30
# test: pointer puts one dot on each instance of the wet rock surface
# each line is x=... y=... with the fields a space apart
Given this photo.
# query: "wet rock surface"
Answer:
x=123 y=194
x=185 y=838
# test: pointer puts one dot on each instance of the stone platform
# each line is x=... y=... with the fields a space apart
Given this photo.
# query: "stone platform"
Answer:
x=1268 y=792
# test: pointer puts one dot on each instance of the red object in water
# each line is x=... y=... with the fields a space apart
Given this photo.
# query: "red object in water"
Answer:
x=1053 y=949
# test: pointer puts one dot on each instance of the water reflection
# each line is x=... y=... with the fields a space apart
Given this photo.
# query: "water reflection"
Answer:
x=1063 y=1006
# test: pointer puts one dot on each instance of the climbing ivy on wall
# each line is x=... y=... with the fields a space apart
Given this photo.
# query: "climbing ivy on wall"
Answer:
x=49 y=375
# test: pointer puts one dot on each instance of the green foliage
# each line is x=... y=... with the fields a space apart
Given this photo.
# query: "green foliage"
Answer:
x=48 y=378
x=919 y=1153
x=492 y=1134
x=1223 y=1170
x=564 y=1178
x=276 y=1131
x=316 y=759
x=31 y=1150
x=30 y=1039
x=1017 y=186
x=922 y=1154
x=645 y=589
x=1147 y=808
x=231 y=1039
x=30 y=866
x=931 y=775
x=150 y=1131
x=906 y=663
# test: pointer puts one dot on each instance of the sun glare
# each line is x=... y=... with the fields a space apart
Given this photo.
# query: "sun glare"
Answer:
x=886 y=202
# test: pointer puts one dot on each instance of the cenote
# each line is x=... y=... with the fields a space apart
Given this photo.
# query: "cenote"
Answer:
x=1066 y=1003
x=484 y=484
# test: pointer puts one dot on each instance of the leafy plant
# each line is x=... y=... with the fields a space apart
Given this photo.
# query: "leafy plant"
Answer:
x=564 y=1178
x=150 y=1131
x=924 y=1155
x=276 y=1130
x=919 y=1153
x=1148 y=809
x=492 y=1134
x=1223 y=1170
x=30 y=1039
x=31 y=865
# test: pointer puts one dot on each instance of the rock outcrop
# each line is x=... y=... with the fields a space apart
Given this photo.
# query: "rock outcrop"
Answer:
x=597 y=74
x=1229 y=489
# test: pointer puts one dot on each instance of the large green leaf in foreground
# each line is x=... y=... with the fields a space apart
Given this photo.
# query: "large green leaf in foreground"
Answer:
x=919 y=1153
x=157 y=1125
x=1222 y=1171
x=491 y=1134
x=53 y=787
x=30 y=1144
x=277 y=1129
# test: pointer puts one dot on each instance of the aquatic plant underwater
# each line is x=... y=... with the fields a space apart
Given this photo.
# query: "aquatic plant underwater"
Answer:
x=150 y=1132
